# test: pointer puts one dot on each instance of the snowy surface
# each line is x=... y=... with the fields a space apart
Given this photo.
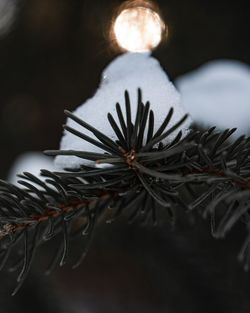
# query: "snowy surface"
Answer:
x=129 y=71
x=31 y=162
x=218 y=94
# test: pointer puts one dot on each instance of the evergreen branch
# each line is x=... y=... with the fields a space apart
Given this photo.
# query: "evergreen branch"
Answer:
x=147 y=177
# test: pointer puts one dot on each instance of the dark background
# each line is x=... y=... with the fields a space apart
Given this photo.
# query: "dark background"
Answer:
x=51 y=59
x=53 y=55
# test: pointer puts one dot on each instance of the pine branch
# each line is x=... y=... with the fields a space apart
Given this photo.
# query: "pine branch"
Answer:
x=202 y=172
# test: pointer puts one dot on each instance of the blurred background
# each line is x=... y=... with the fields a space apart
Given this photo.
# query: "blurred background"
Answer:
x=52 y=53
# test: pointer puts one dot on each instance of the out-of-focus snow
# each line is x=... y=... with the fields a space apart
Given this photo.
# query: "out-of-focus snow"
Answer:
x=218 y=94
x=8 y=10
x=129 y=71
x=31 y=162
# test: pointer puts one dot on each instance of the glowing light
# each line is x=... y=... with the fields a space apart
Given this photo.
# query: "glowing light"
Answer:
x=138 y=29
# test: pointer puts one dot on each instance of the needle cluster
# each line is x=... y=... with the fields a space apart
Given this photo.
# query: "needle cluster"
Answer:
x=204 y=173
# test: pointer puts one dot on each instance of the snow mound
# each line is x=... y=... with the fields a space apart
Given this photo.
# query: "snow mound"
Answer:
x=129 y=71
x=218 y=94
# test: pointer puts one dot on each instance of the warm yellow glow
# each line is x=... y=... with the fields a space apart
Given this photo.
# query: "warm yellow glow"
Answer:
x=138 y=29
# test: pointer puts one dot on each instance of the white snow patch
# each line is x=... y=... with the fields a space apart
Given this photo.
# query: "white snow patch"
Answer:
x=129 y=71
x=218 y=94
x=31 y=162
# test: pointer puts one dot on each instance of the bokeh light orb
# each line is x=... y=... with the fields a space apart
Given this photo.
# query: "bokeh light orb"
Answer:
x=138 y=29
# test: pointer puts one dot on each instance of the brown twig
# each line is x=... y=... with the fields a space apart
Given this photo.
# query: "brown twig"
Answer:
x=11 y=228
